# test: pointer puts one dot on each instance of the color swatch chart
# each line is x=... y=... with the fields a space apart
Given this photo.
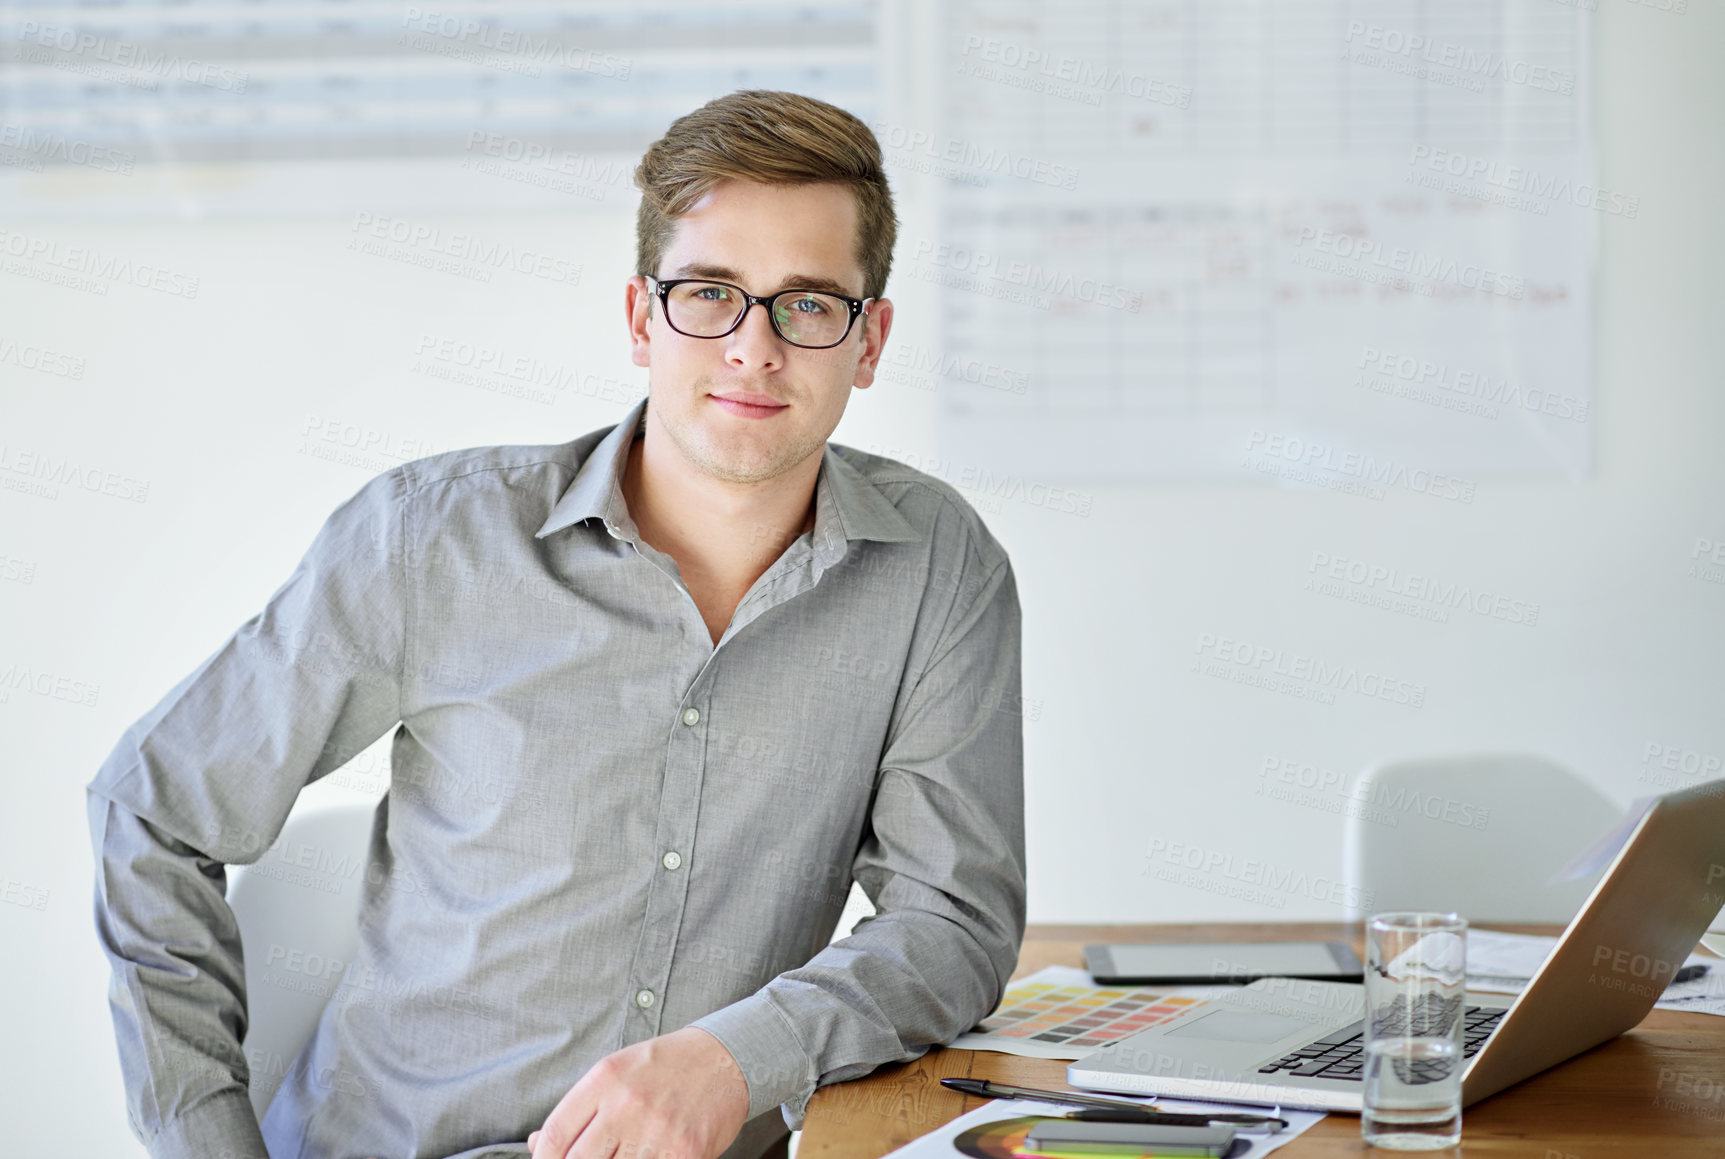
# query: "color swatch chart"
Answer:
x=1081 y=1015
x=1060 y=1012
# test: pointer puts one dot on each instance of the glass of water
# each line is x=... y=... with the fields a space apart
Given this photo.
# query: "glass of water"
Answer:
x=1416 y=986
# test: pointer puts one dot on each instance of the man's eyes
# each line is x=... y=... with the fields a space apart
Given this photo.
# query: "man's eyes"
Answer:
x=808 y=304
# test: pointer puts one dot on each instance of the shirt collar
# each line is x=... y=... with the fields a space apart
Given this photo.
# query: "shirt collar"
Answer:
x=847 y=505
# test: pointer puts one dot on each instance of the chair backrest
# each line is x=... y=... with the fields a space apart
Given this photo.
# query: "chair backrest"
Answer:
x=857 y=907
x=298 y=911
x=1479 y=834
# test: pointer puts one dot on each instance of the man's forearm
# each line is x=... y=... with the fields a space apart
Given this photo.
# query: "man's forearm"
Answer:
x=179 y=1012
x=917 y=975
x=208 y=777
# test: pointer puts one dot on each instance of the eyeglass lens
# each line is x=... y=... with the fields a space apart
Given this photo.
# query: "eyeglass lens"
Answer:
x=802 y=317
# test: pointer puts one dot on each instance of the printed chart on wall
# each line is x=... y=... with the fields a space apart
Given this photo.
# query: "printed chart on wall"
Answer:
x=1058 y=1012
x=206 y=106
x=1307 y=242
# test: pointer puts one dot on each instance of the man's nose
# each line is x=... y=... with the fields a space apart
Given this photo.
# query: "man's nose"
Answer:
x=755 y=343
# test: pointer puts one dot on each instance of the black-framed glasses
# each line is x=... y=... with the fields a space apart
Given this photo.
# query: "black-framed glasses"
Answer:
x=811 y=319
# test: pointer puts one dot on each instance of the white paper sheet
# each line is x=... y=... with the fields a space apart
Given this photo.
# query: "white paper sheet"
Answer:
x=1501 y=963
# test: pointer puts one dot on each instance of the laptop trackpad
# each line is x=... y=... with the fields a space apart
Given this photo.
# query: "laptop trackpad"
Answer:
x=1240 y=1026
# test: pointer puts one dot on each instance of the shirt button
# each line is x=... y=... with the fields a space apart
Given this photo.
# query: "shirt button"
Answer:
x=691 y=715
x=643 y=998
x=672 y=859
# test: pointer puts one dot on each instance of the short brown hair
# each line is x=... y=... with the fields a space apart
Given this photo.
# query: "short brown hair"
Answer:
x=774 y=138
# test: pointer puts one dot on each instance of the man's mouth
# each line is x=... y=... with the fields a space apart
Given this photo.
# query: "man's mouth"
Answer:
x=748 y=404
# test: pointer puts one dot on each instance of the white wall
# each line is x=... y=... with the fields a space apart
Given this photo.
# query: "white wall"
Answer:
x=210 y=401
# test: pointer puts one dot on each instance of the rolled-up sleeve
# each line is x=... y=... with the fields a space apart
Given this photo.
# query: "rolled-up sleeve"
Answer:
x=207 y=778
x=942 y=858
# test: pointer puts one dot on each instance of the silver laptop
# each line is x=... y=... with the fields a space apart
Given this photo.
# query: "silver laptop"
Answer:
x=1293 y=1043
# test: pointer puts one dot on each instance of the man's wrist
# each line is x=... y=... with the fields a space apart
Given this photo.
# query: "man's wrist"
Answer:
x=765 y=1049
x=724 y=1077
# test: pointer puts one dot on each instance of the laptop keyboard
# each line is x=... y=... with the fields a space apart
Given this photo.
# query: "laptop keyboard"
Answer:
x=1342 y=1055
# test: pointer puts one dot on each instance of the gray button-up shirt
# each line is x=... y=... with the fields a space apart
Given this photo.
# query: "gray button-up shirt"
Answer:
x=599 y=827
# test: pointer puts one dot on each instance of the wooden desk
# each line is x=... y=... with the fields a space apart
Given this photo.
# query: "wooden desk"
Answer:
x=1657 y=1092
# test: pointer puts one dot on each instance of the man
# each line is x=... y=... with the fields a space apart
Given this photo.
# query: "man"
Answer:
x=658 y=694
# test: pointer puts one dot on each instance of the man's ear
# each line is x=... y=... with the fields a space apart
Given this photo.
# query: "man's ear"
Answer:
x=875 y=329
x=638 y=307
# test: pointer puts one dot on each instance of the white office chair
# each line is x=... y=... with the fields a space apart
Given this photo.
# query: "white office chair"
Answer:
x=1478 y=834
x=857 y=907
x=298 y=911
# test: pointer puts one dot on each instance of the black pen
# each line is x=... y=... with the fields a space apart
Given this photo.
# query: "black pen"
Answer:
x=1127 y=1112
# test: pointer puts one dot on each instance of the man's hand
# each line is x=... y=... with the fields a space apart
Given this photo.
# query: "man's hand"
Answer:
x=678 y=1096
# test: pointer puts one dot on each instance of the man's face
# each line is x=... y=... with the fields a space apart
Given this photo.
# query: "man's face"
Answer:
x=763 y=238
